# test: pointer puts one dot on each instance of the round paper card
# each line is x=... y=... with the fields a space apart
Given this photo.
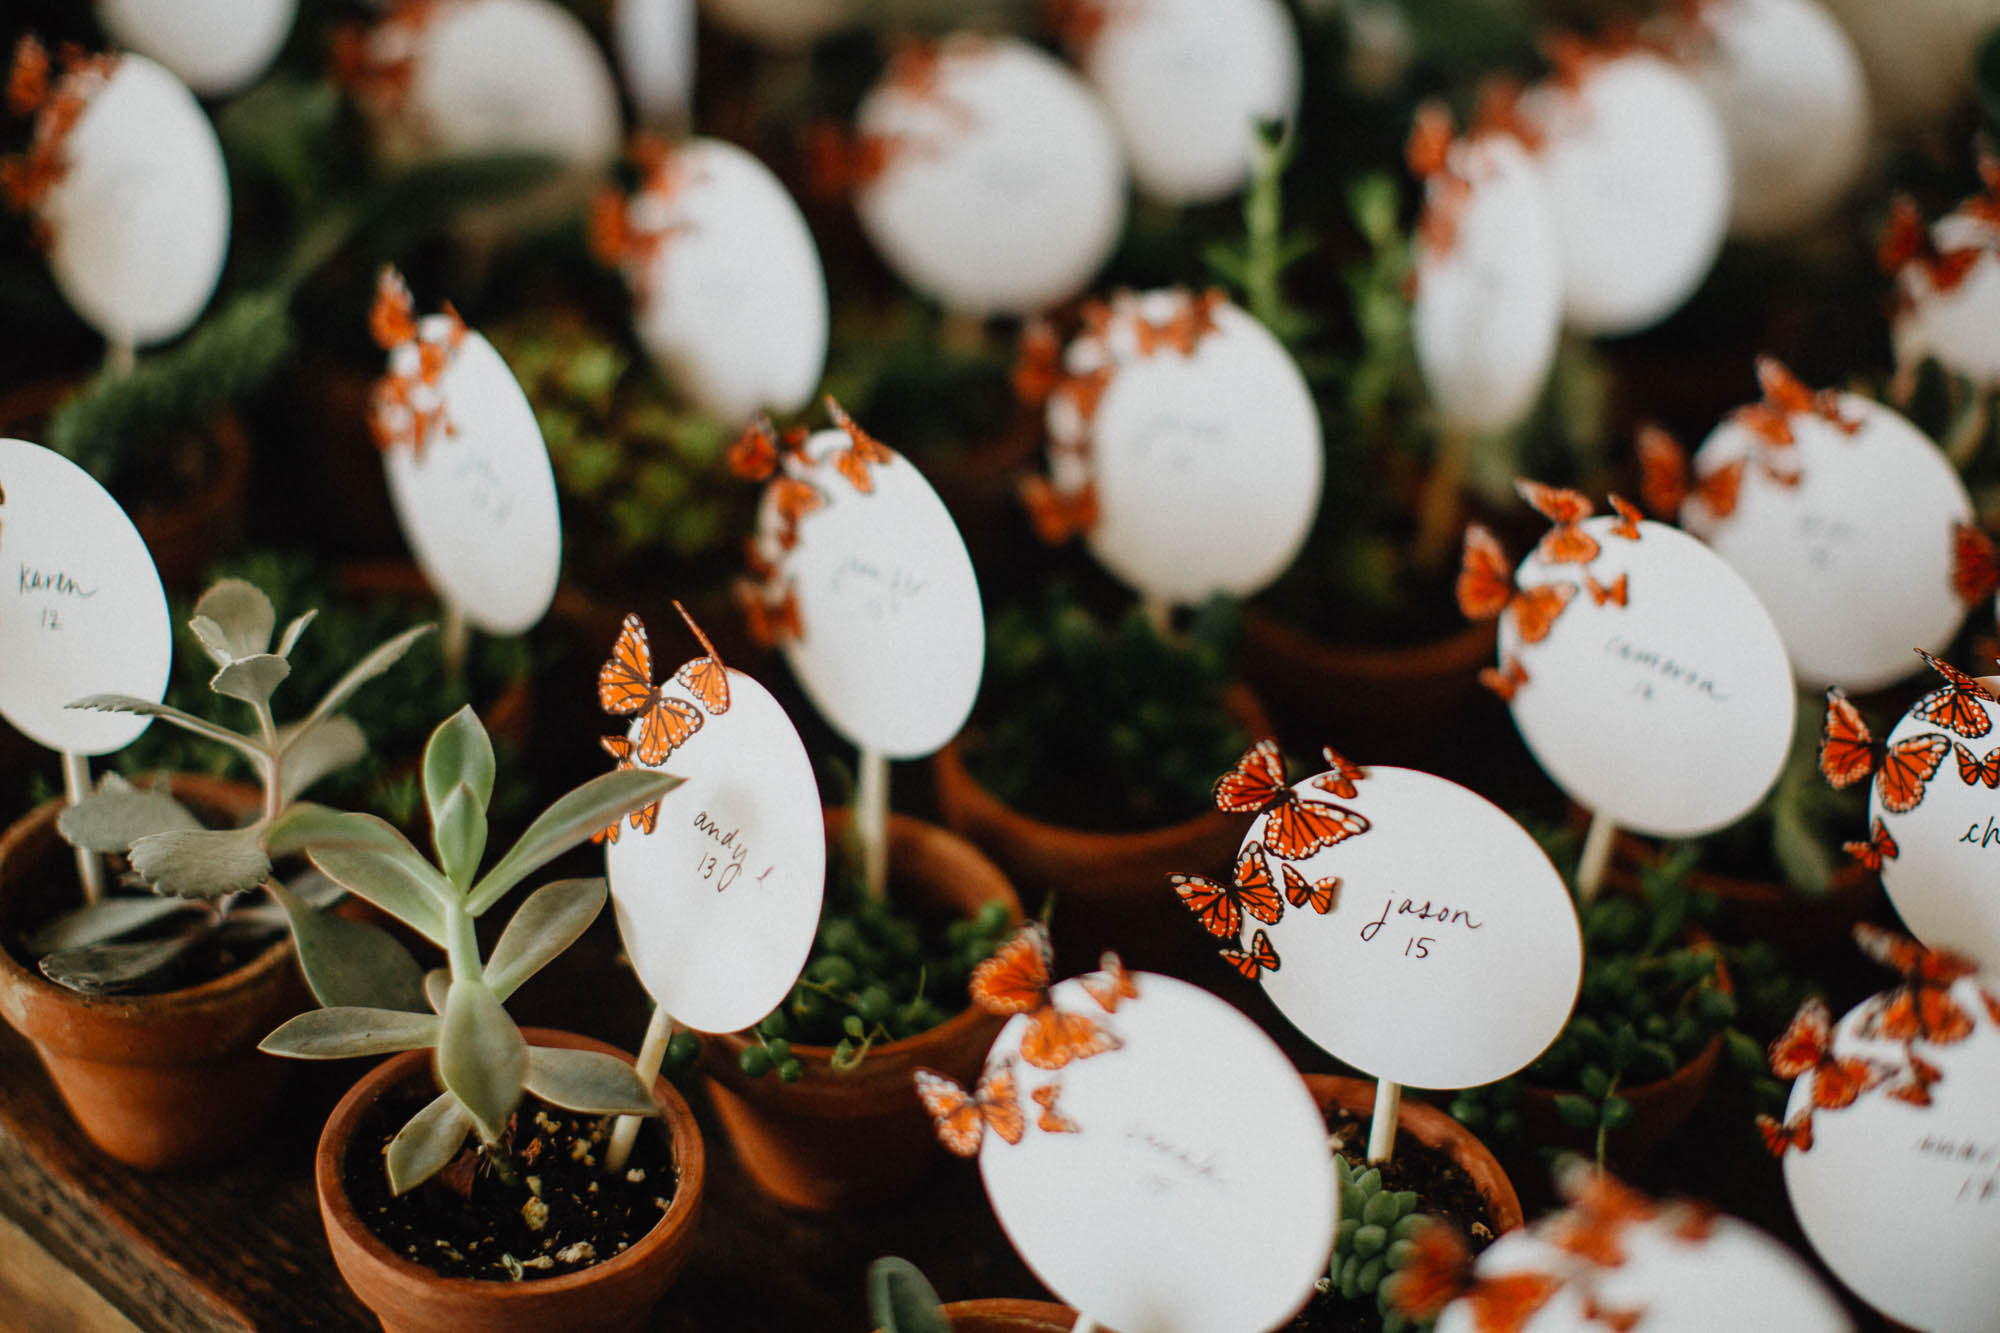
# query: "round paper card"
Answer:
x=1644 y=674
x=719 y=898
x=127 y=178
x=1899 y=1192
x=998 y=186
x=1948 y=286
x=81 y=609
x=883 y=624
x=1186 y=433
x=655 y=43
x=468 y=472
x=1180 y=1183
x=1428 y=903
x=217 y=47
x=1842 y=516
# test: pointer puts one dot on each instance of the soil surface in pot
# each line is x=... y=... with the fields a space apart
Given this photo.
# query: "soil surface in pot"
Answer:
x=565 y=1213
x=1443 y=1190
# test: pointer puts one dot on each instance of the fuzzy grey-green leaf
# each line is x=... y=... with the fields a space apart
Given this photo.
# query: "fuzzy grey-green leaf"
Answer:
x=351 y=963
x=112 y=818
x=233 y=620
x=437 y=988
x=251 y=679
x=902 y=1300
x=481 y=1055
x=572 y=818
x=93 y=923
x=587 y=1081
x=126 y=703
x=380 y=659
x=201 y=863
x=458 y=831
x=426 y=1145
x=105 y=969
x=290 y=638
x=329 y=745
x=541 y=928
x=337 y=1034
x=459 y=751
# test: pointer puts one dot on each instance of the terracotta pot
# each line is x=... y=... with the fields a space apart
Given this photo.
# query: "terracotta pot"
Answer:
x=1658 y=1108
x=1805 y=923
x=156 y=1081
x=1434 y=1129
x=1110 y=889
x=1008 y=1316
x=1375 y=705
x=184 y=535
x=608 y=1297
x=838 y=1140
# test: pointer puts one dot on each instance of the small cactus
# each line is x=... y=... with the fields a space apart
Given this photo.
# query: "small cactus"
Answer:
x=1373 y=1242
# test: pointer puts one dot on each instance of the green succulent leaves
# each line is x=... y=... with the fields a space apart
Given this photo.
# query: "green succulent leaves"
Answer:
x=902 y=1300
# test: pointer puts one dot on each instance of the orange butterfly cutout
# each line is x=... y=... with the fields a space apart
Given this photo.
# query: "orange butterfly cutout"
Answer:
x=1846 y=749
x=1915 y=1087
x=1110 y=984
x=1299 y=891
x=1975 y=564
x=1784 y=394
x=1848 y=753
x=1880 y=847
x=1958 y=706
x=704 y=677
x=1629 y=516
x=1600 y=1210
x=863 y=451
x=962 y=1117
x=1057 y=515
x=392 y=319
x=1486 y=588
x=1972 y=771
x=1183 y=331
x=1051 y=1121
x=1086 y=391
x=1566 y=543
x=1439 y=1271
x=1601 y=594
x=1342 y=776
x=792 y=500
x=1256 y=960
x=647 y=817
x=1794 y=1133
x=1428 y=149
x=1296 y=828
x=1220 y=907
x=771 y=619
x=1666 y=482
x=1806 y=1047
x=625 y=687
x=753 y=455
x=1015 y=980
x=1922 y=1007
x=1505 y=681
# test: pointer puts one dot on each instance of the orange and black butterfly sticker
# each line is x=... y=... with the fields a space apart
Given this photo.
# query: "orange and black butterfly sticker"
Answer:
x=1666 y=480
x=1602 y=594
x=1050 y=1120
x=1878 y=848
x=1319 y=894
x=1295 y=828
x=1922 y=1008
x=1486 y=588
x=1506 y=680
x=1341 y=777
x=1110 y=985
x=1781 y=1137
x=1806 y=1047
x=1221 y=907
x=862 y=453
x=1960 y=706
x=753 y=455
x=1015 y=980
x=625 y=688
x=1439 y=1271
x=962 y=1118
x=1254 y=961
x=1058 y=515
x=1848 y=753
x=1975 y=565
x=1846 y=748
x=705 y=677
x=770 y=615
x=1974 y=771
x=1627 y=525
x=1917 y=1081
x=1566 y=543
x=792 y=499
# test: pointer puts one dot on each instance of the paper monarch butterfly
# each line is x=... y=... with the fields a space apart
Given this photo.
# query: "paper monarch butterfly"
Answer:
x=1627 y=526
x=1806 y=1047
x=1794 y=1133
x=1341 y=777
x=1050 y=1120
x=962 y=1118
x=1506 y=680
x=1666 y=482
x=771 y=618
x=705 y=677
x=1922 y=1007
x=793 y=500
x=1486 y=588
x=1566 y=543
x=1110 y=985
x=1220 y=907
x=1848 y=753
x=1602 y=594
x=625 y=687
x=1439 y=1271
x=1972 y=771
x=1878 y=848
x=1915 y=1087
x=1015 y=980
x=1975 y=565
x=1960 y=705
x=1295 y=828
x=647 y=817
x=862 y=452
x=1057 y=515
x=1252 y=962
x=1300 y=892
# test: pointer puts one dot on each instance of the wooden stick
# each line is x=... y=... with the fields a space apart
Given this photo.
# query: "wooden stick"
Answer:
x=1159 y=614
x=652 y=1054
x=871 y=820
x=1382 y=1126
x=76 y=786
x=455 y=639
x=1439 y=508
x=1596 y=856
x=119 y=357
x=1084 y=1324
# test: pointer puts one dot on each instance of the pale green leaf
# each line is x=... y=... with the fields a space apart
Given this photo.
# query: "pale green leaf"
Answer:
x=251 y=679
x=389 y=881
x=105 y=969
x=384 y=656
x=481 y=1055
x=458 y=831
x=93 y=923
x=290 y=639
x=437 y=987
x=458 y=751
x=541 y=928
x=351 y=962
x=337 y=1034
x=587 y=1081
x=329 y=745
x=902 y=1300
x=426 y=1145
x=570 y=820
x=233 y=620
x=126 y=703
x=201 y=863
x=115 y=816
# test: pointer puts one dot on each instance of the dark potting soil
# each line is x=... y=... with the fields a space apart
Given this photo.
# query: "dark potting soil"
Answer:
x=563 y=1214
x=1443 y=1190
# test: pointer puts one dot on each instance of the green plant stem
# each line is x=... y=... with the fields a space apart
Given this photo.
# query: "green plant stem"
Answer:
x=1603 y=1132
x=1263 y=221
x=454 y=640
x=460 y=942
x=1968 y=431
x=271 y=766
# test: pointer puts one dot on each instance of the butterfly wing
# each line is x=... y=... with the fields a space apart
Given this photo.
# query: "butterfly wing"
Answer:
x=1056 y=1038
x=625 y=681
x=999 y=1102
x=1256 y=781
x=1259 y=958
x=1342 y=777
x=1505 y=681
x=1051 y=1121
x=1602 y=594
x=1846 y=750
x=1793 y=1133
x=1559 y=505
x=707 y=680
x=1015 y=979
x=1298 y=828
x=1485 y=579
x=854 y=467
x=663 y=727
x=1300 y=892
x=1975 y=565
x=646 y=818
x=1627 y=526
x=1213 y=904
x=1959 y=706
x=1535 y=610
x=1906 y=767
x=1256 y=892
x=1110 y=984
x=952 y=1110
x=1804 y=1042
x=1880 y=847
x=1663 y=472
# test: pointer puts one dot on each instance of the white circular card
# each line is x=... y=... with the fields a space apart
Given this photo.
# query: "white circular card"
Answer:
x=1003 y=189
x=1903 y=1201
x=1669 y=714
x=139 y=221
x=892 y=638
x=1425 y=931
x=1196 y=1192
x=1488 y=309
x=217 y=47
x=81 y=608
x=478 y=503
x=1638 y=175
x=1186 y=80
x=732 y=303
x=717 y=906
x=1952 y=311
x=655 y=41
x=1846 y=538
x=1947 y=846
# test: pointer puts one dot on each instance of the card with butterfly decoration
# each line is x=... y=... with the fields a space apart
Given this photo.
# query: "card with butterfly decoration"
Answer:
x=468 y=473
x=1150 y=1153
x=1947 y=276
x=1931 y=804
x=1823 y=499
x=718 y=895
x=1890 y=1156
x=859 y=576
x=1646 y=677
x=86 y=616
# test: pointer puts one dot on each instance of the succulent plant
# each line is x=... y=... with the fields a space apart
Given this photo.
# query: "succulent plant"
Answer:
x=1373 y=1241
x=902 y=1300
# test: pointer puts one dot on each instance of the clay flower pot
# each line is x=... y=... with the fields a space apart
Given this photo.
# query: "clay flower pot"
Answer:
x=838 y=1140
x=1807 y=923
x=1110 y=889
x=1008 y=1316
x=165 y=1080
x=1379 y=704
x=1434 y=1129
x=608 y=1297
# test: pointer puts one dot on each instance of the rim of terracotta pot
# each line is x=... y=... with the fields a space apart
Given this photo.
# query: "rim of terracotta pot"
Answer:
x=967 y=803
x=33 y=1003
x=1434 y=1129
x=1007 y=1315
x=1850 y=881
x=888 y=1066
x=1458 y=651
x=337 y=1209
